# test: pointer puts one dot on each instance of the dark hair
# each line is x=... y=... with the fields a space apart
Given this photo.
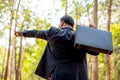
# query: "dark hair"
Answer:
x=68 y=19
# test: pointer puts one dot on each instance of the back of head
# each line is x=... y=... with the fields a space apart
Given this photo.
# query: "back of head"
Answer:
x=68 y=19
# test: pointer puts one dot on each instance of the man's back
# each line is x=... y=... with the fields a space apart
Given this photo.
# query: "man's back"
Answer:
x=62 y=58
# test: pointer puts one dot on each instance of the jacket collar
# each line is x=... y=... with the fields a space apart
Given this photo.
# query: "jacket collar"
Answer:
x=67 y=28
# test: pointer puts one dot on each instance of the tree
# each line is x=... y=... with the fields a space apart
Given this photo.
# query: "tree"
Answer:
x=90 y=66
x=108 y=74
x=66 y=7
x=95 y=70
x=65 y=4
x=10 y=28
x=17 y=70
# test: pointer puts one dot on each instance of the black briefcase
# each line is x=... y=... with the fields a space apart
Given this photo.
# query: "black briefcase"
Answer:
x=93 y=39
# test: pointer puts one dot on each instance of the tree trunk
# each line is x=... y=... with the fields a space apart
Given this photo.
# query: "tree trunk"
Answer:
x=14 y=51
x=11 y=68
x=18 y=72
x=8 y=56
x=76 y=14
x=4 y=60
x=66 y=7
x=108 y=74
x=109 y=14
x=88 y=12
x=90 y=57
x=91 y=68
x=95 y=70
x=18 y=68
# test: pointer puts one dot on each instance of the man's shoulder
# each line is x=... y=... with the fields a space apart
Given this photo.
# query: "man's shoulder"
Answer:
x=61 y=31
x=52 y=28
x=55 y=29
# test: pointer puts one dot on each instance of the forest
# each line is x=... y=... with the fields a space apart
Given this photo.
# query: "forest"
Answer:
x=19 y=57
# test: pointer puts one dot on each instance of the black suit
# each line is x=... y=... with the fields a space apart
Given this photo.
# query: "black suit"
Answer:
x=60 y=58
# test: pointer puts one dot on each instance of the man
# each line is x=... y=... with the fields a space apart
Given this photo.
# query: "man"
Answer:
x=60 y=61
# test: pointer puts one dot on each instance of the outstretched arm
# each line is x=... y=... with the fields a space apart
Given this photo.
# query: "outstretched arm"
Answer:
x=43 y=34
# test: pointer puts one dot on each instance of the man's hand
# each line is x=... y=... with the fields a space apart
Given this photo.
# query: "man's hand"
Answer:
x=17 y=33
x=93 y=26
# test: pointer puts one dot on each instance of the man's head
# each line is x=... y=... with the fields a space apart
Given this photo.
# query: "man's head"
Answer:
x=66 y=21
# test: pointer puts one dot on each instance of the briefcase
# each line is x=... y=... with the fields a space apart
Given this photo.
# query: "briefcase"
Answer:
x=93 y=39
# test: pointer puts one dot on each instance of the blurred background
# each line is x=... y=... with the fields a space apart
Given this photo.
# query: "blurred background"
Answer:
x=19 y=57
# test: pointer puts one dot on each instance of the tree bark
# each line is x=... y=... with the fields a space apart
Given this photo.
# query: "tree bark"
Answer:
x=66 y=7
x=10 y=29
x=4 y=60
x=18 y=72
x=76 y=14
x=95 y=70
x=91 y=68
x=88 y=13
x=108 y=69
x=14 y=51
x=11 y=68
x=90 y=57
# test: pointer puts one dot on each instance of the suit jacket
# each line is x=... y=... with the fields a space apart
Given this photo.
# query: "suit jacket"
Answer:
x=60 y=58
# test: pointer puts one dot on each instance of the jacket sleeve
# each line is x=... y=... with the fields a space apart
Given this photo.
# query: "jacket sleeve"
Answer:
x=43 y=34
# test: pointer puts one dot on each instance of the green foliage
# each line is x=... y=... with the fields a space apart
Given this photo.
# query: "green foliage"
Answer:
x=115 y=28
x=32 y=56
x=63 y=3
x=116 y=12
x=41 y=24
x=1 y=34
x=27 y=15
x=3 y=4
